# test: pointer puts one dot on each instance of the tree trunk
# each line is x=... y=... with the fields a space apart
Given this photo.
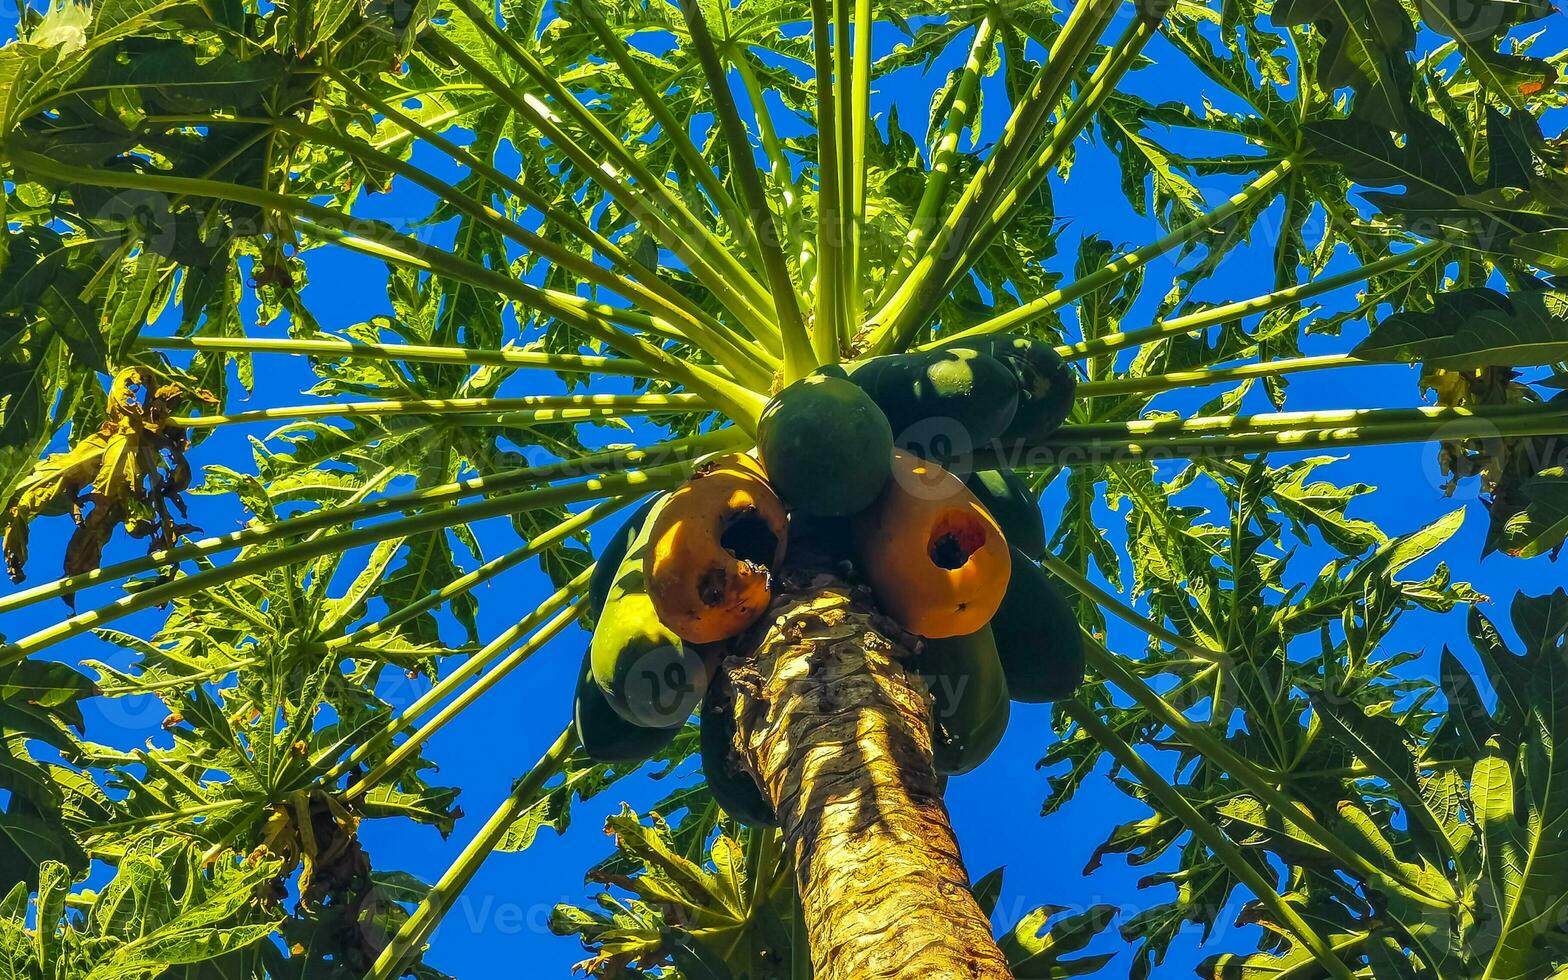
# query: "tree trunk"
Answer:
x=836 y=733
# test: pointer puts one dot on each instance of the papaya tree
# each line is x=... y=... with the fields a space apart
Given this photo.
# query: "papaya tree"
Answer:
x=767 y=387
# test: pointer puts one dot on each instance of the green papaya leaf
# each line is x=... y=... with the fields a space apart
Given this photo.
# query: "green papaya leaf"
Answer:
x=1519 y=789
x=987 y=890
x=1547 y=249
x=1476 y=328
x=1295 y=963
x=1368 y=48
x=1541 y=524
x=30 y=839
x=1040 y=945
x=1385 y=748
x=1517 y=200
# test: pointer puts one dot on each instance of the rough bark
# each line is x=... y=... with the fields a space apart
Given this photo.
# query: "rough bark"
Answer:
x=836 y=733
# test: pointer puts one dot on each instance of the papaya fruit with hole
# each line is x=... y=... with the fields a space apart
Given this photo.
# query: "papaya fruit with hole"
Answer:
x=1038 y=636
x=1047 y=384
x=610 y=558
x=969 y=699
x=647 y=673
x=733 y=788
x=940 y=403
x=715 y=543
x=826 y=446
x=935 y=559
x=604 y=734
x=1007 y=498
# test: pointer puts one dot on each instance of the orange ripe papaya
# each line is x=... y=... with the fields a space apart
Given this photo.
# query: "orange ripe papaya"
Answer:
x=934 y=557
x=716 y=542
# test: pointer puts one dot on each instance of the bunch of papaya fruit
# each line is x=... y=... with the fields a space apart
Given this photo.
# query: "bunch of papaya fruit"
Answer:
x=851 y=471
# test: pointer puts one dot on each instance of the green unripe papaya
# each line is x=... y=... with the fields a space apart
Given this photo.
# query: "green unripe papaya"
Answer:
x=970 y=700
x=940 y=403
x=1046 y=383
x=604 y=734
x=1007 y=498
x=610 y=558
x=827 y=447
x=1037 y=636
x=733 y=789
x=649 y=676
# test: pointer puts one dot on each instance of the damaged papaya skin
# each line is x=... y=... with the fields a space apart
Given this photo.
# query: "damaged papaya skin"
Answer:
x=714 y=546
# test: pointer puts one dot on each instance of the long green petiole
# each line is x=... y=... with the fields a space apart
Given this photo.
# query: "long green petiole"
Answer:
x=826 y=327
x=741 y=404
x=1118 y=268
x=1285 y=432
x=609 y=461
x=656 y=104
x=569 y=222
x=639 y=482
x=687 y=237
x=468 y=581
x=781 y=172
x=643 y=289
x=1112 y=668
x=472 y=693
x=1153 y=383
x=1121 y=610
x=360 y=637
x=1118 y=59
x=1112 y=342
x=1221 y=846
x=334 y=347
x=596 y=406
x=597 y=319
x=432 y=259
x=1304 y=421
x=859 y=117
x=650 y=196
x=417 y=929
x=472 y=667
x=798 y=356
x=944 y=153
x=906 y=311
x=844 y=126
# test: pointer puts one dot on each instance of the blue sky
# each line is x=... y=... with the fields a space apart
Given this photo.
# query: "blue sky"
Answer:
x=500 y=922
